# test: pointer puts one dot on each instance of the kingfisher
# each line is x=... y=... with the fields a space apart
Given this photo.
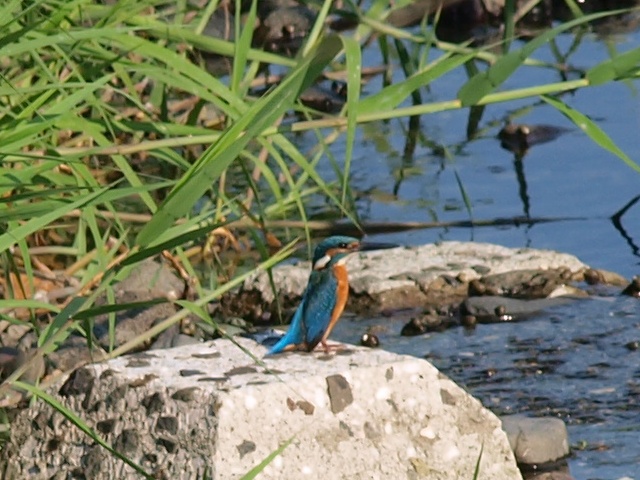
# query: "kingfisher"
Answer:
x=325 y=296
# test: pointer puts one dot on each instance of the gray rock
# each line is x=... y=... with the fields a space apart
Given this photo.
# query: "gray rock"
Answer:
x=536 y=441
x=173 y=338
x=73 y=353
x=149 y=281
x=133 y=322
x=166 y=338
x=220 y=25
x=529 y=283
x=555 y=475
x=487 y=306
x=12 y=359
x=428 y=275
x=284 y=29
x=16 y=334
x=182 y=339
x=360 y=414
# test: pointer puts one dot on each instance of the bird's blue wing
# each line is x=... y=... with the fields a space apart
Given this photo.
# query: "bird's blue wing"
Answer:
x=319 y=306
x=313 y=314
x=295 y=334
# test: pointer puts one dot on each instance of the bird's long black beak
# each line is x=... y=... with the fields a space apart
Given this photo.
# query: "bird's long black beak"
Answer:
x=368 y=246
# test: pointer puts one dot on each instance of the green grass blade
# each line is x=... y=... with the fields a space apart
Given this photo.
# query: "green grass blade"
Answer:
x=119 y=307
x=220 y=155
x=255 y=471
x=485 y=83
x=317 y=29
x=354 y=61
x=574 y=8
x=37 y=223
x=622 y=66
x=12 y=303
x=61 y=319
x=463 y=192
x=205 y=42
x=590 y=128
x=509 y=24
x=81 y=424
x=393 y=95
x=476 y=472
x=242 y=46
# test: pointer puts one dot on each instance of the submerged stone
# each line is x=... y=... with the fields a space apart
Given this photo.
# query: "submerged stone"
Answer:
x=536 y=441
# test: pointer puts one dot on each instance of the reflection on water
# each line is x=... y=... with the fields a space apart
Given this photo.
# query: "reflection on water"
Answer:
x=575 y=362
x=433 y=171
x=572 y=362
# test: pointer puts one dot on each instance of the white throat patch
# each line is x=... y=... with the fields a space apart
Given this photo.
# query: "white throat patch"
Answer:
x=321 y=262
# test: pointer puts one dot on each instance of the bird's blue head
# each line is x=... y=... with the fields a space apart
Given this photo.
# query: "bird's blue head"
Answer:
x=332 y=250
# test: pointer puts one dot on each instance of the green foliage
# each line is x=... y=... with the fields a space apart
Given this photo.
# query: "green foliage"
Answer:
x=486 y=82
x=218 y=157
x=592 y=130
x=253 y=473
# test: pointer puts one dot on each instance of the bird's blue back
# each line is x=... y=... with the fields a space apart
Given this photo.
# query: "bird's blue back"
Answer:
x=313 y=315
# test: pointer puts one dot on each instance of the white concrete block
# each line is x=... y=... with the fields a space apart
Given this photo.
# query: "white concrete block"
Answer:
x=357 y=414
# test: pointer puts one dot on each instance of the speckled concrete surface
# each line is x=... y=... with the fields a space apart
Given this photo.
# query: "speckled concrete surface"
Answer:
x=359 y=413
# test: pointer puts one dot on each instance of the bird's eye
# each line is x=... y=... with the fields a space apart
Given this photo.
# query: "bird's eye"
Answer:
x=343 y=245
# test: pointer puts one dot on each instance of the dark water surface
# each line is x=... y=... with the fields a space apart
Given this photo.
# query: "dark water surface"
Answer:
x=570 y=177
x=571 y=361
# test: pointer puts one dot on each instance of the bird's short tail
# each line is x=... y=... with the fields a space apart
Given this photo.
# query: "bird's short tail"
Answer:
x=279 y=347
x=295 y=335
x=287 y=342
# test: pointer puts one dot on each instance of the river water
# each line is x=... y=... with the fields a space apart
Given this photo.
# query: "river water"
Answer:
x=571 y=361
x=570 y=177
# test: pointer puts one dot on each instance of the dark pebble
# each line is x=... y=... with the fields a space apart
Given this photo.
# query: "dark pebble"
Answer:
x=414 y=327
x=469 y=320
x=633 y=289
x=490 y=372
x=369 y=340
x=592 y=277
x=500 y=310
x=476 y=288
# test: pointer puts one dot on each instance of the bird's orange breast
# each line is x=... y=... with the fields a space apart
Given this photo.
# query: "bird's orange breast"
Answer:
x=342 y=293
